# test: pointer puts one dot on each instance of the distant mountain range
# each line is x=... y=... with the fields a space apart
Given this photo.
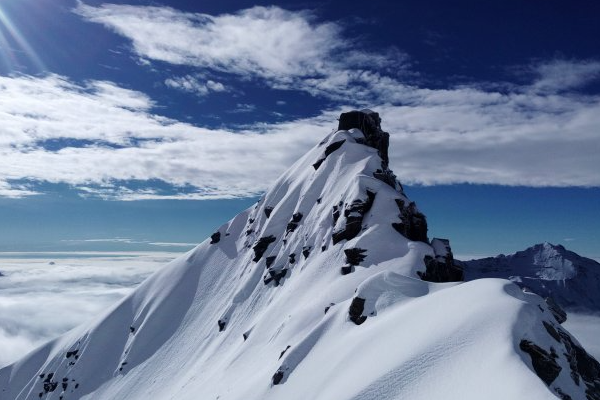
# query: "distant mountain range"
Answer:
x=549 y=270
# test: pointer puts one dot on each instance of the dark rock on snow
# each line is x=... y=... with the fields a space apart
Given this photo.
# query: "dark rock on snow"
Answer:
x=215 y=237
x=441 y=267
x=270 y=260
x=268 y=211
x=261 y=246
x=347 y=269
x=356 y=309
x=413 y=223
x=275 y=276
x=283 y=352
x=559 y=314
x=355 y=255
x=354 y=214
x=306 y=251
x=293 y=224
x=544 y=363
x=369 y=123
x=277 y=377
x=328 y=150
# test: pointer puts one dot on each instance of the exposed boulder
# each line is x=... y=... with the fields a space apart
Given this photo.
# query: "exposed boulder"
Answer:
x=293 y=224
x=356 y=309
x=215 y=237
x=277 y=377
x=347 y=269
x=275 y=275
x=306 y=251
x=261 y=246
x=268 y=211
x=355 y=255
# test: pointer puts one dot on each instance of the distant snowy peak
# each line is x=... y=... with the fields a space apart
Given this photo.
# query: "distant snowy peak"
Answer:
x=553 y=262
x=544 y=261
x=547 y=269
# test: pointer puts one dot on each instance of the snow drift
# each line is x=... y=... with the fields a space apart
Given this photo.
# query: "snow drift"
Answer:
x=328 y=288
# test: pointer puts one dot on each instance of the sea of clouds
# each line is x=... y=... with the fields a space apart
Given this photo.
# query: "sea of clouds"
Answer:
x=45 y=295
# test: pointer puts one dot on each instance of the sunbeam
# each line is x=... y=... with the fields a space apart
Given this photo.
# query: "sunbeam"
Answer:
x=9 y=35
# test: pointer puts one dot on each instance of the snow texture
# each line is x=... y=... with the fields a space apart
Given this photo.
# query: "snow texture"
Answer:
x=211 y=325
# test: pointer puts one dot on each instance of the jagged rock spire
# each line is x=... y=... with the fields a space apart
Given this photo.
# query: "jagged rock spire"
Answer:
x=369 y=123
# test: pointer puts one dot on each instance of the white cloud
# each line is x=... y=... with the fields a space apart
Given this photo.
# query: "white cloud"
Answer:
x=266 y=41
x=286 y=49
x=191 y=84
x=13 y=191
x=466 y=134
x=57 y=297
x=561 y=75
x=131 y=241
x=243 y=108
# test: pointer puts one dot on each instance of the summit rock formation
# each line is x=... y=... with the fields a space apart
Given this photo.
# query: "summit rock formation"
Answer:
x=328 y=288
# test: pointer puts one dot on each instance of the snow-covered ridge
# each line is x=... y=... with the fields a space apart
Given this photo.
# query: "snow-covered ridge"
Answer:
x=328 y=288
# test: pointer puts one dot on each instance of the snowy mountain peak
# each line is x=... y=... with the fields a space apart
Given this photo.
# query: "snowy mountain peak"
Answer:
x=328 y=288
x=552 y=262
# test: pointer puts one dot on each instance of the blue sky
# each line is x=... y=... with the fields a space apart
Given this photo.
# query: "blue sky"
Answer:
x=145 y=125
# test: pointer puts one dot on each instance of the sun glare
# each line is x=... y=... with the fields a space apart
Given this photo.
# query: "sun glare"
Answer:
x=12 y=43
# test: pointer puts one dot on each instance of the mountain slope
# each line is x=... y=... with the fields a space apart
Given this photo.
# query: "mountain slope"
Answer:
x=571 y=280
x=316 y=293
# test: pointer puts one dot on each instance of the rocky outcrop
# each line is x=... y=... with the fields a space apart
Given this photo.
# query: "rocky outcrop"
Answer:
x=369 y=124
x=293 y=224
x=356 y=309
x=559 y=314
x=584 y=370
x=441 y=267
x=544 y=363
x=328 y=150
x=354 y=214
x=215 y=237
x=413 y=224
x=261 y=246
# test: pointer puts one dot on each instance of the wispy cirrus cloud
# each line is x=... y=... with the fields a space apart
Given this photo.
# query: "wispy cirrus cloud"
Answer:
x=123 y=240
x=285 y=49
x=561 y=75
